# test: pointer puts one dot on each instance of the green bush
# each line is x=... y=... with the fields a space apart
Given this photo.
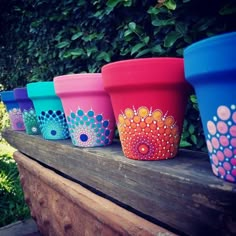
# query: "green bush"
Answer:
x=4 y=118
x=12 y=204
x=42 y=38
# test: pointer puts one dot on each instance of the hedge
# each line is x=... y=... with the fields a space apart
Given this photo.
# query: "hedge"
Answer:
x=44 y=38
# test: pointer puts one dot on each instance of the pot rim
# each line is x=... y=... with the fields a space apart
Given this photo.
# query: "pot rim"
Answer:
x=210 y=42
x=151 y=61
x=41 y=89
x=7 y=96
x=215 y=55
x=21 y=94
x=79 y=83
x=76 y=76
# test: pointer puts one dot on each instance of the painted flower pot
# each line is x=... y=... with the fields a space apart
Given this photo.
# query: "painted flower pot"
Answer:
x=27 y=110
x=13 y=109
x=149 y=98
x=49 y=110
x=215 y=85
x=88 y=109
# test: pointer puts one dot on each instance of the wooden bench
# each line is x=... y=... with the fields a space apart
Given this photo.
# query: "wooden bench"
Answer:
x=178 y=196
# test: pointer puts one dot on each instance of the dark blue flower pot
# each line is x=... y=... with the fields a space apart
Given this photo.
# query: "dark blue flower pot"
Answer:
x=13 y=109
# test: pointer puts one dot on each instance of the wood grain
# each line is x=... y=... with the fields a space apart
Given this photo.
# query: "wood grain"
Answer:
x=181 y=193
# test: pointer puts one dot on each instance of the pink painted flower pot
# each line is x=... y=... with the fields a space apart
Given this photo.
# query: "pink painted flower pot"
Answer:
x=149 y=98
x=88 y=109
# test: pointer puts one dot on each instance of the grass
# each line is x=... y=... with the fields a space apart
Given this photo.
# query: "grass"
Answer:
x=12 y=204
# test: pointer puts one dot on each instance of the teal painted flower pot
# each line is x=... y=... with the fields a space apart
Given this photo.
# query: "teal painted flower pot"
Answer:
x=13 y=109
x=49 y=110
x=27 y=110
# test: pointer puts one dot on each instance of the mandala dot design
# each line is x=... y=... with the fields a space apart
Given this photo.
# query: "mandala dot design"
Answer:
x=53 y=125
x=16 y=118
x=221 y=142
x=88 y=129
x=31 y=122
x=147 y=134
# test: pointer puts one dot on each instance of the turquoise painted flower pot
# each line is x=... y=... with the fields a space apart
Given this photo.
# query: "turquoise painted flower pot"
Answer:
x=13 y=109
x=49 y=110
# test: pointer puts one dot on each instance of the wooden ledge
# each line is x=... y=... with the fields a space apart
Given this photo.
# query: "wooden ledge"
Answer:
x=182 y=192
x=47 y=193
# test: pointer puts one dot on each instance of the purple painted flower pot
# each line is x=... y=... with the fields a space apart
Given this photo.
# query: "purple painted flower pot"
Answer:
x=28 y=111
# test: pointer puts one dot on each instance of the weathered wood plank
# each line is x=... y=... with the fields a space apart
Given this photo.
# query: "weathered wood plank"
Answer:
x=182 y=193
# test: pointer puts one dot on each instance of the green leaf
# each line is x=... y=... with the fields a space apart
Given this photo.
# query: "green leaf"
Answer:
x=158 y=22
x=180 y=51
x=193 y=98
x=143 y=52
x=181 y=27
x=89 y=51
x=132 y=26
x=67 y=54
x=136 y=48
x=171 y=38
x=113 y=3
x=103 y=56
x=146 y=39
x=76 y=36
x=184 y=143
x=153 y=10
x=63 y=44
x=191 y=129
x=127 y=3
x=170 y=4
x=228 y=9
x=157 y=49
x=127 y=32
x=77 y=52
x=194 y=139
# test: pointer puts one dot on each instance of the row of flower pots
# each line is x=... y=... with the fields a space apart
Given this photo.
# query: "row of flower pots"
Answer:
x=146 y=98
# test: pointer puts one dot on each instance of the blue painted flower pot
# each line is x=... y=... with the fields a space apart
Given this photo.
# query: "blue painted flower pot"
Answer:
x=28 y=111
x=13 y=109
x=210 y=66
x=49 y=110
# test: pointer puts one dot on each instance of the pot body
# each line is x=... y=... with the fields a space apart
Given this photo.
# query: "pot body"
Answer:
x=214 y=80
x=49 y=110
x=13 y=109
x=149 y=98
x=88 y=109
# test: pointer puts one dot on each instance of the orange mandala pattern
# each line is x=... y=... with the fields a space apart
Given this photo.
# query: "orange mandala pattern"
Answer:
x=147 y=134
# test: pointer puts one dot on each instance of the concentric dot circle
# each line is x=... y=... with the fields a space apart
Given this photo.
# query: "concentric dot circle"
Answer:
x=53 y=125
x=89 y=129
x=84 y=137
x=143 y=148
x=221 y=142
x=160 y=135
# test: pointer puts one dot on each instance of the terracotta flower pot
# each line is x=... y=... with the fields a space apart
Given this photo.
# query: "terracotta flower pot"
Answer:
x=28 y=112
x=149 y=98
x=49 y=110
x=210 y=66
x=13 y=109
x=88 y=109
